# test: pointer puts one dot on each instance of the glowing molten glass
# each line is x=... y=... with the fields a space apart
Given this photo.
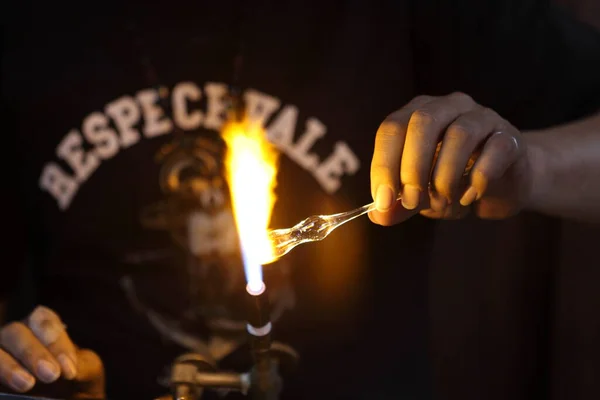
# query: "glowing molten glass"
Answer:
x=251 y=167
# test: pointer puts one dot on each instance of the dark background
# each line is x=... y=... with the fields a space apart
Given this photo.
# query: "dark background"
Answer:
x=586 y=10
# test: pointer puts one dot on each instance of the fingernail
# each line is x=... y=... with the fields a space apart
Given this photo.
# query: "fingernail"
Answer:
x=384 y=198
x=21 y=381
x=47 y=371
x=372 y=217
x=469 y=196
x=48 y=333
x=437 y=202
x=68 y=366
x=410 y=197
x=46 y=325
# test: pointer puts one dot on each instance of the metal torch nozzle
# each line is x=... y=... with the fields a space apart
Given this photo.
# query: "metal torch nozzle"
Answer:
x=259 y=328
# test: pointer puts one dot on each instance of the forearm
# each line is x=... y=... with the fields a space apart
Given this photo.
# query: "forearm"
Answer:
x=565 y=162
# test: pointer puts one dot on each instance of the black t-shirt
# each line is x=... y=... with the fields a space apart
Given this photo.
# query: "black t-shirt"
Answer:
x=116 y=109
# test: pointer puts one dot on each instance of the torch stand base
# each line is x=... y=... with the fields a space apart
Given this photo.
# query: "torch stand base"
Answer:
x=192 y=374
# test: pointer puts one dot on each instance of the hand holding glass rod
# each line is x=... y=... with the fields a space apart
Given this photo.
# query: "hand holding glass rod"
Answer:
x=318 y=227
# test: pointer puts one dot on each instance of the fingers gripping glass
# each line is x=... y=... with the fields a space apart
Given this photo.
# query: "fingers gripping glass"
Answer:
x=318 y=227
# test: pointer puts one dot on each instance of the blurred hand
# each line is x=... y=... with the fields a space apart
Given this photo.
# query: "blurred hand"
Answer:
x=423 y=149
x=39 y=349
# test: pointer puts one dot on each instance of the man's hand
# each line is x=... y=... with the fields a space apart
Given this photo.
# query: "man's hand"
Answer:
x=408 y=160
x=39 y=349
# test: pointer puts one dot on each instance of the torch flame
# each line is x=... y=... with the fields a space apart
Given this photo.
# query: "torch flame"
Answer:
x=251 y=167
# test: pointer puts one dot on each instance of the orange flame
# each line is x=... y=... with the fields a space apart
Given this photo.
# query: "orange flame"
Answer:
x=251 y=164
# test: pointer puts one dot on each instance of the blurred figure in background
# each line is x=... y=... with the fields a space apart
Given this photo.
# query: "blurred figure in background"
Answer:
x=120 y=217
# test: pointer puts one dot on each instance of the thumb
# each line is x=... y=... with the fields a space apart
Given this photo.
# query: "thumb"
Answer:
x=90 y=376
